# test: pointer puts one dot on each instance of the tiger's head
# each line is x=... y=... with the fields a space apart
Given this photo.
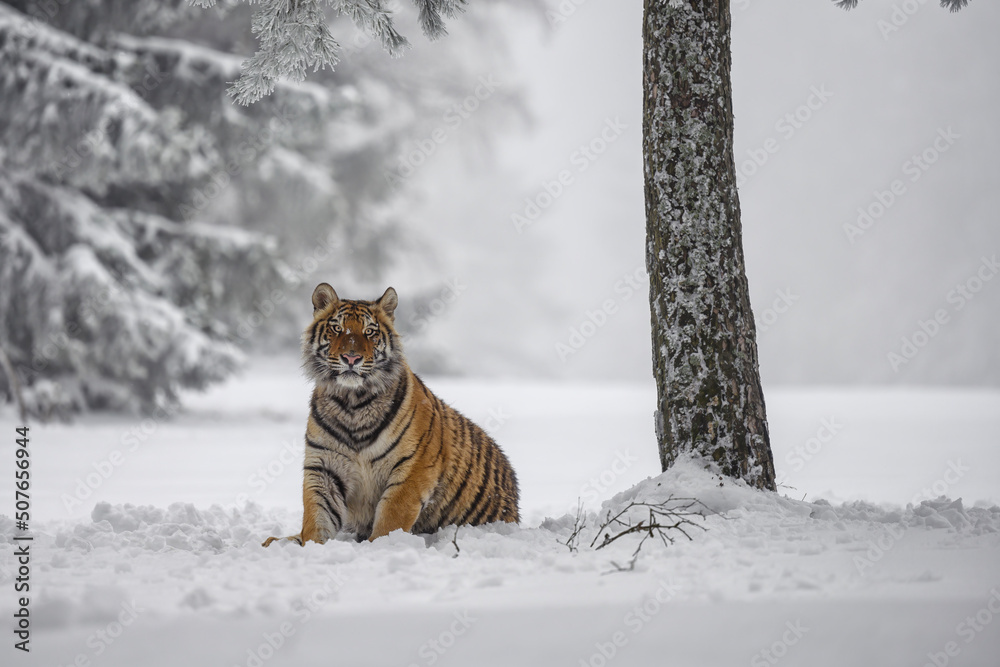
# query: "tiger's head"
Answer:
x=352 y=345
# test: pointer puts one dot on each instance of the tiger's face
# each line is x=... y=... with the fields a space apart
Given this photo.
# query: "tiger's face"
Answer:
x=352 y=344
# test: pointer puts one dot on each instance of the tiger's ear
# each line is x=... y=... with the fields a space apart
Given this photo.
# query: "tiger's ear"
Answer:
x=323 y=296
x=388 y=302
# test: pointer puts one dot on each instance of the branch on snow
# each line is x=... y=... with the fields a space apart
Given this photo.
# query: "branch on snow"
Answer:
x=662 y=519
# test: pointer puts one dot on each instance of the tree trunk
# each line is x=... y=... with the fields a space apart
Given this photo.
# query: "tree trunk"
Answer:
x=709 y=398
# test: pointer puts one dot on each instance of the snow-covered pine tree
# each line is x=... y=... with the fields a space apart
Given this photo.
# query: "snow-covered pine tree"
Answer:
x=125 y=170
x=106 y=300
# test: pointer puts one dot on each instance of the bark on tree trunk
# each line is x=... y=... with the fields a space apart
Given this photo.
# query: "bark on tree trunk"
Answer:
x=709 y=398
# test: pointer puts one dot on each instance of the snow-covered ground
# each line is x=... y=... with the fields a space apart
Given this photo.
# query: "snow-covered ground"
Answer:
x=147 y=537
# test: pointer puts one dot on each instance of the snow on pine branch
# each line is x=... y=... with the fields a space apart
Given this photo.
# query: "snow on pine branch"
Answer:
x=952 y=5
x=294 y=36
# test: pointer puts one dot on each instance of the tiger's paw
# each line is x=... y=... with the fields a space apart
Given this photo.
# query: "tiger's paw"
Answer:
x=294 y=538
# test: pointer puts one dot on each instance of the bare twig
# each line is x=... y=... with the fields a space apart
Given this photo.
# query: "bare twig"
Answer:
x=454 y=540
x=663 y=517
x=579 y=524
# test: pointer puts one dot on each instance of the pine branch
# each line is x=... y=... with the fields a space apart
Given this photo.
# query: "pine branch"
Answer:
x=372 y=17
x=430 y=11
x=294 y=36
x=955 y=5
x=951 y=5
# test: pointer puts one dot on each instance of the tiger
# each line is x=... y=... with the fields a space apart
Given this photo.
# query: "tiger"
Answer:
x=382 y=452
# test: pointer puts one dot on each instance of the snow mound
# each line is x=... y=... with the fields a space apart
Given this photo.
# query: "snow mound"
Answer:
x=693 y=479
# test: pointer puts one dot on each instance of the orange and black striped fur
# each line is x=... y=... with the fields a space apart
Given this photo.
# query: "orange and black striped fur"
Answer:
x=382 y=451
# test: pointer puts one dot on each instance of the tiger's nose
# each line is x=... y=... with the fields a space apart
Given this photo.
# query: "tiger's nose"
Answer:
x=351 y=359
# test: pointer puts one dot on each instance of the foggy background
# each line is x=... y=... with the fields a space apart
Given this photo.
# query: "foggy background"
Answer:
x=850 y=303
x=494 y=178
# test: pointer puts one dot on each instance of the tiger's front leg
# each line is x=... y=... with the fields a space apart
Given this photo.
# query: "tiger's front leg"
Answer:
x=398 y=508
x=401 y=502
x=323 y=506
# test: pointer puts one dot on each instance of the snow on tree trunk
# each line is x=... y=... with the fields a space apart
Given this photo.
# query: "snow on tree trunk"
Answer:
x=709 y=396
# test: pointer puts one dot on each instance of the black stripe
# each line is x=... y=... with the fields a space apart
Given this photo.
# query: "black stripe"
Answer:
x=504 y=485
x=325 y=501
x=365 y=403
x=495 y=515
x=474 y=505
x=440 y=451
x=324 y=448
x=449 y=506
x=437 y=401
x=497 y=499
x=478 y=519
x=315 y=330
x=493 y=501
x=340 y=404
x=429 y=394
x=397 y=401
x=474 y=465
x=400 y=462
x=334 y=514
x=334 y=477
x=316 y=445
x=416 y=449
x=330 y=429
x=397 y=440
x=430 y=428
